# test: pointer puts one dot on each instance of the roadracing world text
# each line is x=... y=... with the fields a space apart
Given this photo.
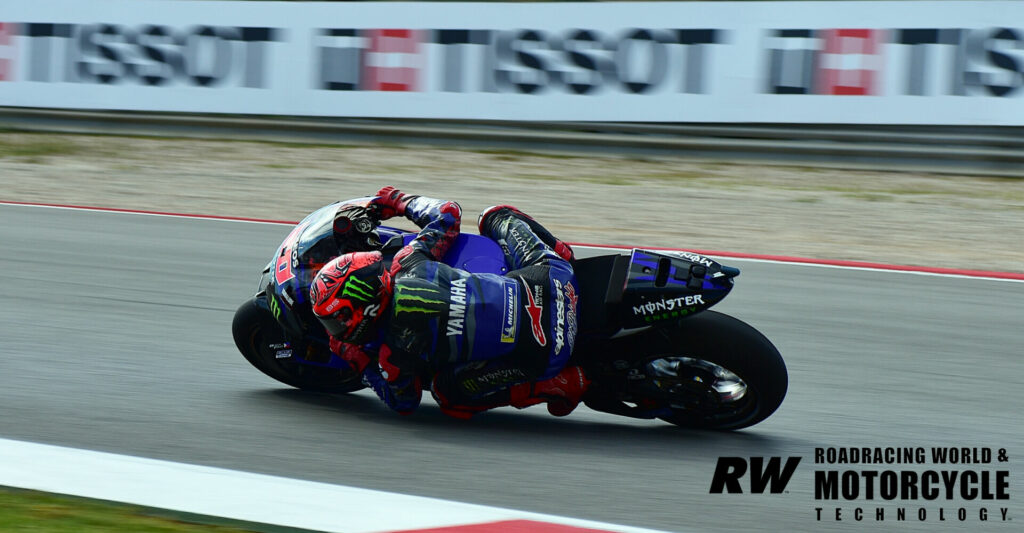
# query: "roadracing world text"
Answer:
x=880 y=484
x=955 y=484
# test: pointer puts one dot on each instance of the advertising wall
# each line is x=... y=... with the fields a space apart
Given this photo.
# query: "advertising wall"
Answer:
x=958 y=63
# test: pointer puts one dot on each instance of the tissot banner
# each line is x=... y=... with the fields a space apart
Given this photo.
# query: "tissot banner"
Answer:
x=833 y=62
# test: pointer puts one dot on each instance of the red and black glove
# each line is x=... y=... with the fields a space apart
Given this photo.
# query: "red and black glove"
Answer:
x=352 y=354
x=400 y=390
x=391 y=202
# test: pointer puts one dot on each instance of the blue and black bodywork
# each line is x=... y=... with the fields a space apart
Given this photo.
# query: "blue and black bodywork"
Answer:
x=669 y=285
x=647 y=288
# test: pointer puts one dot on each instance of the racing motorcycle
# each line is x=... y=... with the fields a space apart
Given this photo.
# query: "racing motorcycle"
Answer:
x=644 y=335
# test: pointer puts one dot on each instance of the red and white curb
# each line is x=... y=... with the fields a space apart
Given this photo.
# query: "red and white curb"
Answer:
x=261 y=498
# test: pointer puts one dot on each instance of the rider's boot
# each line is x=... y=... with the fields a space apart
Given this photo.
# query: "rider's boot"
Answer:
x=562 y=392
x=489 y=225
x=466 y=410
x=469 y=389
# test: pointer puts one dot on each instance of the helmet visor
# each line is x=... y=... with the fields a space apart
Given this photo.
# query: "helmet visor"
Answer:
x=340 y=323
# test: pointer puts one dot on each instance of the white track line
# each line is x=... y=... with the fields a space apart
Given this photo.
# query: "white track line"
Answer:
x=245 y=496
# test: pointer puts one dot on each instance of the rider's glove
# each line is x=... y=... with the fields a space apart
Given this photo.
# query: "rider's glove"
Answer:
x=391 y=202
x=402 y=395
x=352 y=354
x=400 y=390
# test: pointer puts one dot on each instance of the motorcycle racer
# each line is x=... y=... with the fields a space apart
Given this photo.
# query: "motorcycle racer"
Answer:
x=489 y=340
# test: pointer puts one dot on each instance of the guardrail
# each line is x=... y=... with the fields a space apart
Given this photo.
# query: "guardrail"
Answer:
x=959 y=150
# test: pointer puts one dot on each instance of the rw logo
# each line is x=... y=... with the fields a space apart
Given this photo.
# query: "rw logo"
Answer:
x=730 y=469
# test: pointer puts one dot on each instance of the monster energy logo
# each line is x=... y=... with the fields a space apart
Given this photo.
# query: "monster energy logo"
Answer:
x=357 y=289
x=409 y=299
x=274 y=307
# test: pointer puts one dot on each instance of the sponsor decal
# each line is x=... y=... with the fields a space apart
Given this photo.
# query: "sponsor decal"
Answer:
x=412 y=299
x=559 y=316
x=565 y=315
x=287 y=297
x=604 y=62
x=534 y=309
x=847 y=61
x=283 y=268
x=493 y=379
x=522 y=245
x=275 y=308
x=457 y=307
x=855 y=62
x=689 y=256
x=510 y=312
x=667 y=304
x=882 y=484
x=572 y=300
x=525 y=61
x=152 y=55
x=357 y=289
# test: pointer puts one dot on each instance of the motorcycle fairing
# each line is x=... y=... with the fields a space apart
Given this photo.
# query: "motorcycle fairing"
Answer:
x=668 y=285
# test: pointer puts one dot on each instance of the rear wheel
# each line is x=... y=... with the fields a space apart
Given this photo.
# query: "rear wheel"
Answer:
x=256 y=332
x=713 y=371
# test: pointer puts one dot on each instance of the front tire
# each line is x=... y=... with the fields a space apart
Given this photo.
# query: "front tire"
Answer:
x=734 y=346
x=255 y=329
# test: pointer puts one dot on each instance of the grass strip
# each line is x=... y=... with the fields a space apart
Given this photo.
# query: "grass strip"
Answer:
x=28 y=511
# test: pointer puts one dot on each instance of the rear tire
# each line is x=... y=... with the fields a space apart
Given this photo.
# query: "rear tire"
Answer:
x=737 y=347
x=255 y=329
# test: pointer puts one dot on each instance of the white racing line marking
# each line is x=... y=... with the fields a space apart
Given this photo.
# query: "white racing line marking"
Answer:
x=261 y=498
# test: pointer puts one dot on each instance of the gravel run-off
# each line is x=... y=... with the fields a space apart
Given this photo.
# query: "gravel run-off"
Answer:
x=949 y=221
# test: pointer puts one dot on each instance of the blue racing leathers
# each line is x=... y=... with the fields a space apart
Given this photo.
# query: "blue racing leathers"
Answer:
x=478 y=334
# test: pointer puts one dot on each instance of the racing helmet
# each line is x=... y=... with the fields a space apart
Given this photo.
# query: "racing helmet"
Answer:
x=349 y=295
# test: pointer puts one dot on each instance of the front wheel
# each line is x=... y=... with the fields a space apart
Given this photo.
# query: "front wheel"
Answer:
x=712 y=371
x=256 y=332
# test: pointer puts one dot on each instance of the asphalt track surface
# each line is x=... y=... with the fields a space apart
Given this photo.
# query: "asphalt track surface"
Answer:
x=116 y=337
